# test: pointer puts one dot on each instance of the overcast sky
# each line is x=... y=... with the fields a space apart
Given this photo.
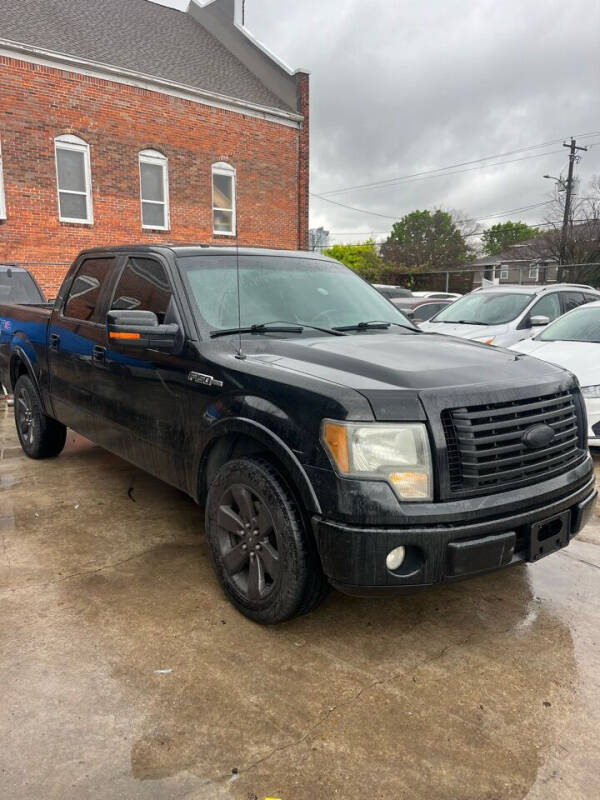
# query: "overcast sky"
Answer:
x=400 y=87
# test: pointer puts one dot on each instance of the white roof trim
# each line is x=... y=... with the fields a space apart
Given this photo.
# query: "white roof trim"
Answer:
x=49 y=58
x=238 y=22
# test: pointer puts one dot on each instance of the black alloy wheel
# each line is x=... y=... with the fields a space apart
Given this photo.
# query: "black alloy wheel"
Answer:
x=248 y=542
x=40 y=436
x=262 y=553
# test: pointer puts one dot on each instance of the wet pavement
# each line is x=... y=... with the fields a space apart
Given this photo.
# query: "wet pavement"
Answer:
x=124 y=673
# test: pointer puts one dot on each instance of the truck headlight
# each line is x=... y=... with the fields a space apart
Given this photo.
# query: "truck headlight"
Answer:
x=398 y=453
x=590 y=391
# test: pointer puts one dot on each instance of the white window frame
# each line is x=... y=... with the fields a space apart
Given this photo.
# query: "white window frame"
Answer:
x=77 y=145
x=157 y=159
x=221 y=168
x=534 y=273
x=2 y=195
x=504 y=275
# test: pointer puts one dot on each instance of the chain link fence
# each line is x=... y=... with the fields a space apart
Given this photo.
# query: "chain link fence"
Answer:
x=465 y=280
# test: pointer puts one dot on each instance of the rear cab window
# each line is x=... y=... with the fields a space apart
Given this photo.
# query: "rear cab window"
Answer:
x=83 y=300
x=17 y=286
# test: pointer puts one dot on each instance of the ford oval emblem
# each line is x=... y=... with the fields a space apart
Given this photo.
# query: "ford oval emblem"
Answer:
x=538 y=436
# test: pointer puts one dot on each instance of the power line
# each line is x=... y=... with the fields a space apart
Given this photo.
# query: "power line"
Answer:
x=432 y=172
x=447 y=174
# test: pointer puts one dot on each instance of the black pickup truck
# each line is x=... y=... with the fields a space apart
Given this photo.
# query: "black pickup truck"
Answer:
x=329 y=440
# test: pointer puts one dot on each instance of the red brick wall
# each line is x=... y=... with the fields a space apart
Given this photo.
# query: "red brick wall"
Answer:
x=303 y=160
x=39 y=103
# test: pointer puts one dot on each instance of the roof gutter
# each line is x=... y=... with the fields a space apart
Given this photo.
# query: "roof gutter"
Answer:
x=50 y=58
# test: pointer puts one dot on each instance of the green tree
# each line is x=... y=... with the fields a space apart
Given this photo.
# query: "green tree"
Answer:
x=424 y=240
x=501 y=236
x=362 y=258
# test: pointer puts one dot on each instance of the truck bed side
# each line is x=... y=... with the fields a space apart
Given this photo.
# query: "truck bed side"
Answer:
x=23 y=340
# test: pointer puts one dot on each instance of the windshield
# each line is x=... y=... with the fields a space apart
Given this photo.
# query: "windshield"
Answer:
x=18 y=287
x=282 y=289
x=582 y=325
x=485 y=308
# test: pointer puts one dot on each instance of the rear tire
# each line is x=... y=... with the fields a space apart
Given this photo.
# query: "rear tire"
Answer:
x=40 y=436
x=261 y=552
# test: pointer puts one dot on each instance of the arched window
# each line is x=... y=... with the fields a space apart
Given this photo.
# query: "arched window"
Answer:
x=224 y=202
x=154 y=190
x=74 y=180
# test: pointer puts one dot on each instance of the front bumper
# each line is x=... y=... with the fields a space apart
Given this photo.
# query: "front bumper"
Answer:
x=354 y=558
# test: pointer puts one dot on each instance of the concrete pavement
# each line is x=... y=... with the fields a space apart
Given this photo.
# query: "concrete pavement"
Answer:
x=124 y=673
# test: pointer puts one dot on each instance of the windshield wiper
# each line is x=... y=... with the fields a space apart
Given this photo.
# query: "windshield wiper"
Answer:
x=274 y=327
x=375 y=325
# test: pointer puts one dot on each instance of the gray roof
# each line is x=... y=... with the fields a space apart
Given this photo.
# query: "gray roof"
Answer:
x=136 y=35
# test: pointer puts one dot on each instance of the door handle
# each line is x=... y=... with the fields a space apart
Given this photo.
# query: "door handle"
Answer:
x=99 y=353
x=54 y=341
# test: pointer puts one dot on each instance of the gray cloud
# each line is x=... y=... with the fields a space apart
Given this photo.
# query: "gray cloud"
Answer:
x=399 y=87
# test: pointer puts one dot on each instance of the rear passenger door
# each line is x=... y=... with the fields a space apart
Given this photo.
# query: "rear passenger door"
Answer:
x=76 y=339
x=141 y=392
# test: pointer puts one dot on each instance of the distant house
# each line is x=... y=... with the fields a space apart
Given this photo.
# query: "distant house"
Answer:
x=516 y=264
x=145 y=121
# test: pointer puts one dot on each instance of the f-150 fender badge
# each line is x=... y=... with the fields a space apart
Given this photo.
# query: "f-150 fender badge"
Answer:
x=204 y=380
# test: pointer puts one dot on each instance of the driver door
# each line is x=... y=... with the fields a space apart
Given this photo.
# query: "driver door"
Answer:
x=142 y=392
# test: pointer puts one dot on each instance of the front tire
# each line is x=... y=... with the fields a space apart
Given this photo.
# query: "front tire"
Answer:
x=40 y=436
x=261 y=553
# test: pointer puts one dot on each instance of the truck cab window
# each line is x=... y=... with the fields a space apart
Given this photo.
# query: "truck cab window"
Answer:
x=86 y=289
x=143 y=286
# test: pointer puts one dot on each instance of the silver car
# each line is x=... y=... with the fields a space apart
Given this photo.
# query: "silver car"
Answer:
x=504 y=315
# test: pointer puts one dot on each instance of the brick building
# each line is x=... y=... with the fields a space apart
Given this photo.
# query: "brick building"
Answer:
x=138 y=121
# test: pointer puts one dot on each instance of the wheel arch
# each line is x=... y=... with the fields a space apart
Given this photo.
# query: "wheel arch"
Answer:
x=20 y=364
x=234 y=438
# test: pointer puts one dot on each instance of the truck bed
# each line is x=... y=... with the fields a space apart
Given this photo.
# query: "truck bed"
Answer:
x=22 y=326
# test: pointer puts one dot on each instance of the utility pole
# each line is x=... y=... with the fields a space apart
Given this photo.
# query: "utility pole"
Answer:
x=573 y=158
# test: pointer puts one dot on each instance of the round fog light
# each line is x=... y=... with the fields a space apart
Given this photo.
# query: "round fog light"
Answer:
x=395 y=558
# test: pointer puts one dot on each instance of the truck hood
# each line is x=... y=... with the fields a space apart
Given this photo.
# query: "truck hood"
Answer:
x=384 y=366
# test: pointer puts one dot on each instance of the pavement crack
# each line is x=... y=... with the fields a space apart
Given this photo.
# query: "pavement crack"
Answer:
x=581 y=560
x=357 y=695
x=70 y=576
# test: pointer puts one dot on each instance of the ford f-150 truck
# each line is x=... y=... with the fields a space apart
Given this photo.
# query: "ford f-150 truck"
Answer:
x=329 y=440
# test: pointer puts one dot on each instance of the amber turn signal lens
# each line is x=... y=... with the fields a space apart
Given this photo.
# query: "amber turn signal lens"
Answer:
x=114 y=335
x=336 y=439
x=411 y=485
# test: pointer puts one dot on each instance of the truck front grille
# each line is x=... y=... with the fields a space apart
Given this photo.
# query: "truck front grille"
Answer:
x=485 y=447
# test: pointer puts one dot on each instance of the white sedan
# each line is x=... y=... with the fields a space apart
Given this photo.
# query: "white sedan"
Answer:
x=573 y=342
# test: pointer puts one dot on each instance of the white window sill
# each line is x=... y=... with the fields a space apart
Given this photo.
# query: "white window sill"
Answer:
x=76 y=221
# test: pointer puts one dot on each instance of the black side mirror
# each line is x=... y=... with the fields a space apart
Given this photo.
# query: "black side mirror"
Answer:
x=140 y=330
